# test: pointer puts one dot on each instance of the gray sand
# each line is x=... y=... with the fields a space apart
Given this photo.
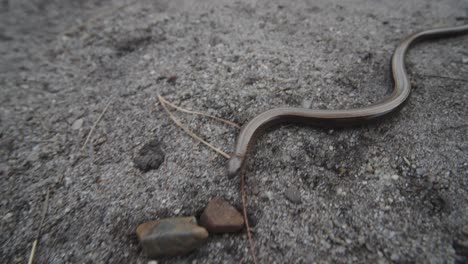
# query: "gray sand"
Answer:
x=396 y=191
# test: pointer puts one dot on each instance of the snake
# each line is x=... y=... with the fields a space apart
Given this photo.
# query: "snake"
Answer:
x=338 y=118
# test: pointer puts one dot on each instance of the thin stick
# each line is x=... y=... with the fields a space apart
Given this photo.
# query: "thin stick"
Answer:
x=95 y=124
x=443 y=77
x=44 y=212
x=200 y=113
x=36 y=241
x=188 y=131
x=244 y=210
x=33 y=251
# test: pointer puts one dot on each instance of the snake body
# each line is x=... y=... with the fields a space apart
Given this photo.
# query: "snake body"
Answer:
x=338 y=118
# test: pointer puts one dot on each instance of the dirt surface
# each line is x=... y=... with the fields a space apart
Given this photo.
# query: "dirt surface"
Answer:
x=396 y=191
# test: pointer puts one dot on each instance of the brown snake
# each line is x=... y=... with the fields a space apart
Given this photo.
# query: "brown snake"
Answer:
x=338 y=118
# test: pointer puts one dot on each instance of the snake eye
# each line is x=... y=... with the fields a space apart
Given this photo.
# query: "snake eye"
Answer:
x=234 y=166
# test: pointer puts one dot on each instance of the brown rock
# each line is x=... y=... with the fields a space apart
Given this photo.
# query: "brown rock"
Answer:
x=171 y=237
x=221 y=217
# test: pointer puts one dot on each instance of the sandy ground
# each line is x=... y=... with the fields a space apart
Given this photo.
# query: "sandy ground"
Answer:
x=396 y=191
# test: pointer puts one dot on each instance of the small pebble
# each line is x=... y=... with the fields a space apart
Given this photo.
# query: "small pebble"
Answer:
x=293 y=195
x=221 y=217
x=340 y=191
x=77 y=124
x=171 y=236
x=269 y=195
x=395 y=177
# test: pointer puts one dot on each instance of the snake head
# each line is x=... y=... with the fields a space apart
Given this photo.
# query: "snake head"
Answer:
x=234 y=166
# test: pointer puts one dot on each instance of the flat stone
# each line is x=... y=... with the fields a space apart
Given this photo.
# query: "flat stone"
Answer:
x=293 y=195
x=171 y=236
x=221 y=217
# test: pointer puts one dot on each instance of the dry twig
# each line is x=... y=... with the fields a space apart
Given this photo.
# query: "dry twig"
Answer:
x=200 y=113
x=88 y=137
x=36 y=241
x=443 y=77
x=188 y=131
x=246 y=220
